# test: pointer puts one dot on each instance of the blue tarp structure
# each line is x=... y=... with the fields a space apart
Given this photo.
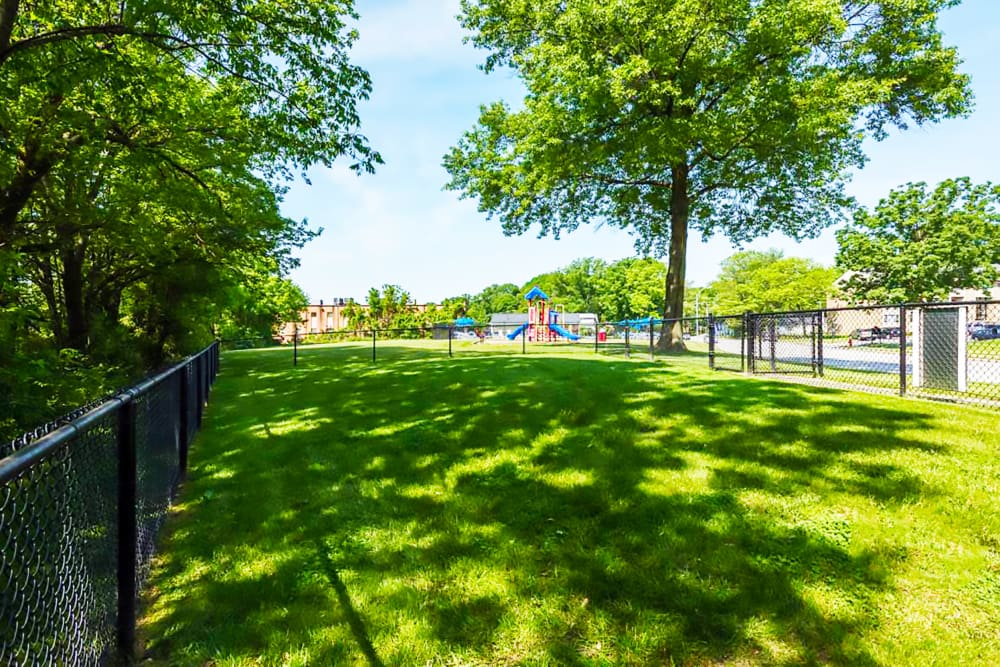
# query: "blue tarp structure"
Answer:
x=464 y=322
x=641 y=323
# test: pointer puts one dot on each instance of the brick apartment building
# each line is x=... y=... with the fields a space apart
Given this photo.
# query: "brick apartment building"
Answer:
x=329 y=316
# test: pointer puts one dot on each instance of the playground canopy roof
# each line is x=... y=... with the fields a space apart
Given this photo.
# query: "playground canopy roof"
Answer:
x=576 y=319
x=464 y=322
x=536 y=293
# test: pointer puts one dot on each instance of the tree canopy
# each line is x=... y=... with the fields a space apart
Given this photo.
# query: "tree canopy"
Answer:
x=920 y=243
x=767 y=281
x=740 y=118
x=144 y=151
x=276 y=86
x=627 y=288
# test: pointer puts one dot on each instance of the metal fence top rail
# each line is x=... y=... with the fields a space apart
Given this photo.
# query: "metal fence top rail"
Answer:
x=52 y=442
x=866 y=306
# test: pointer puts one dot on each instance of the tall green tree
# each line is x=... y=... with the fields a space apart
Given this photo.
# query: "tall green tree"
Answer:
x=388 y=308
x=631 y=288
x=144 y=149
x=282 y=68
x=497 y=298
x=739 y=117
x=580 y=284
x=767 y=281
x=918 y=244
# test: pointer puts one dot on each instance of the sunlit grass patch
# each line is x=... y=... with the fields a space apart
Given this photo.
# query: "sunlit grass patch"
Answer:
x=568 y=508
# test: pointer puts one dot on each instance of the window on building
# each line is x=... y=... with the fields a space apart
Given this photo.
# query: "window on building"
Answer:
x=981 y=308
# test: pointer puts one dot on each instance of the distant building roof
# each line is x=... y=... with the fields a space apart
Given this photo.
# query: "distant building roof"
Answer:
x=501 y=319
x=578 y=318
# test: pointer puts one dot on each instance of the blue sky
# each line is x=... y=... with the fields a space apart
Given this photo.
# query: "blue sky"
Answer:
x=399 y=226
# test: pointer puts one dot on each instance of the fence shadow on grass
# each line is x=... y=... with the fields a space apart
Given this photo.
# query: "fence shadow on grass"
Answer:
x=505 y=510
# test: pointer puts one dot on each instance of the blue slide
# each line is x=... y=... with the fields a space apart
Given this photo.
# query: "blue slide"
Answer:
x=517 y=331
x=555 y=327
x=563 y=332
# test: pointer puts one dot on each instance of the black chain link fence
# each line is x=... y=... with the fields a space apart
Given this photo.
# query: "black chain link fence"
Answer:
x=80 y=506
x=727 y=343
x=945 y=351
x=948 y=351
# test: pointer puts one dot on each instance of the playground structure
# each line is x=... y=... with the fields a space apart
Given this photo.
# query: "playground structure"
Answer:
x=543 y=322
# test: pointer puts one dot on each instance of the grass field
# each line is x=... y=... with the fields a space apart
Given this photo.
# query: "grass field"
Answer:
x=573 y=509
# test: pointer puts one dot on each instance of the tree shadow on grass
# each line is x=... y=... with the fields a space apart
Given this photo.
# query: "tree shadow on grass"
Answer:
x=505 y=509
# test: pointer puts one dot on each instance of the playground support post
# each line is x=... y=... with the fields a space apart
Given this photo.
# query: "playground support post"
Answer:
x=374 y=334
x=524 y=337
x=628 y=349
x=450 y=330
x=597 y=337
x=651 y=357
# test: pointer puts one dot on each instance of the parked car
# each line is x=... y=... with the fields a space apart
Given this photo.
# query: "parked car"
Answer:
x=863 y=334
x=985 y=331
x=876 y=333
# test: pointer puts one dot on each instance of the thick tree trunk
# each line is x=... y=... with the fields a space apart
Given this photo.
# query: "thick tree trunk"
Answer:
x=8 y=14
x=77 y=319
x=45 y=279
x=32 y=167
x=671 y=335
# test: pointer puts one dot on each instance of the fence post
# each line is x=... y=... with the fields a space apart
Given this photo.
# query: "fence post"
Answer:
x=183 y=421
x=374 y=335
x=772 y=330
x=628 y=347
x=295 y=346
x=127 y=532
x=199 y=389
x=711 y=342
x=524 y=345
x=746 y=343
x=206 y=378
x=812 y=342
x=902 y=350
x=820 y=328
x=450 y=328
x=651 y=357
x=597 y=337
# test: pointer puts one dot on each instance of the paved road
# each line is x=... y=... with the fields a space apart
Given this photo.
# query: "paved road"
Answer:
x=862 y=358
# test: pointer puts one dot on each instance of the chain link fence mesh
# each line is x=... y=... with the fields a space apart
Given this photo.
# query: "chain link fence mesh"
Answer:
x=947 y=351
x=944 y=351
x=58 y=546
x=60 y=527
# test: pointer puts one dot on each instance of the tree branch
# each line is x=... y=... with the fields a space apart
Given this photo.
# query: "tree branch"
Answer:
x=610 y=180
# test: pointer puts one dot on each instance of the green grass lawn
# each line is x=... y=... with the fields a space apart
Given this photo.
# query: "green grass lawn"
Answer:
x=573 y=509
